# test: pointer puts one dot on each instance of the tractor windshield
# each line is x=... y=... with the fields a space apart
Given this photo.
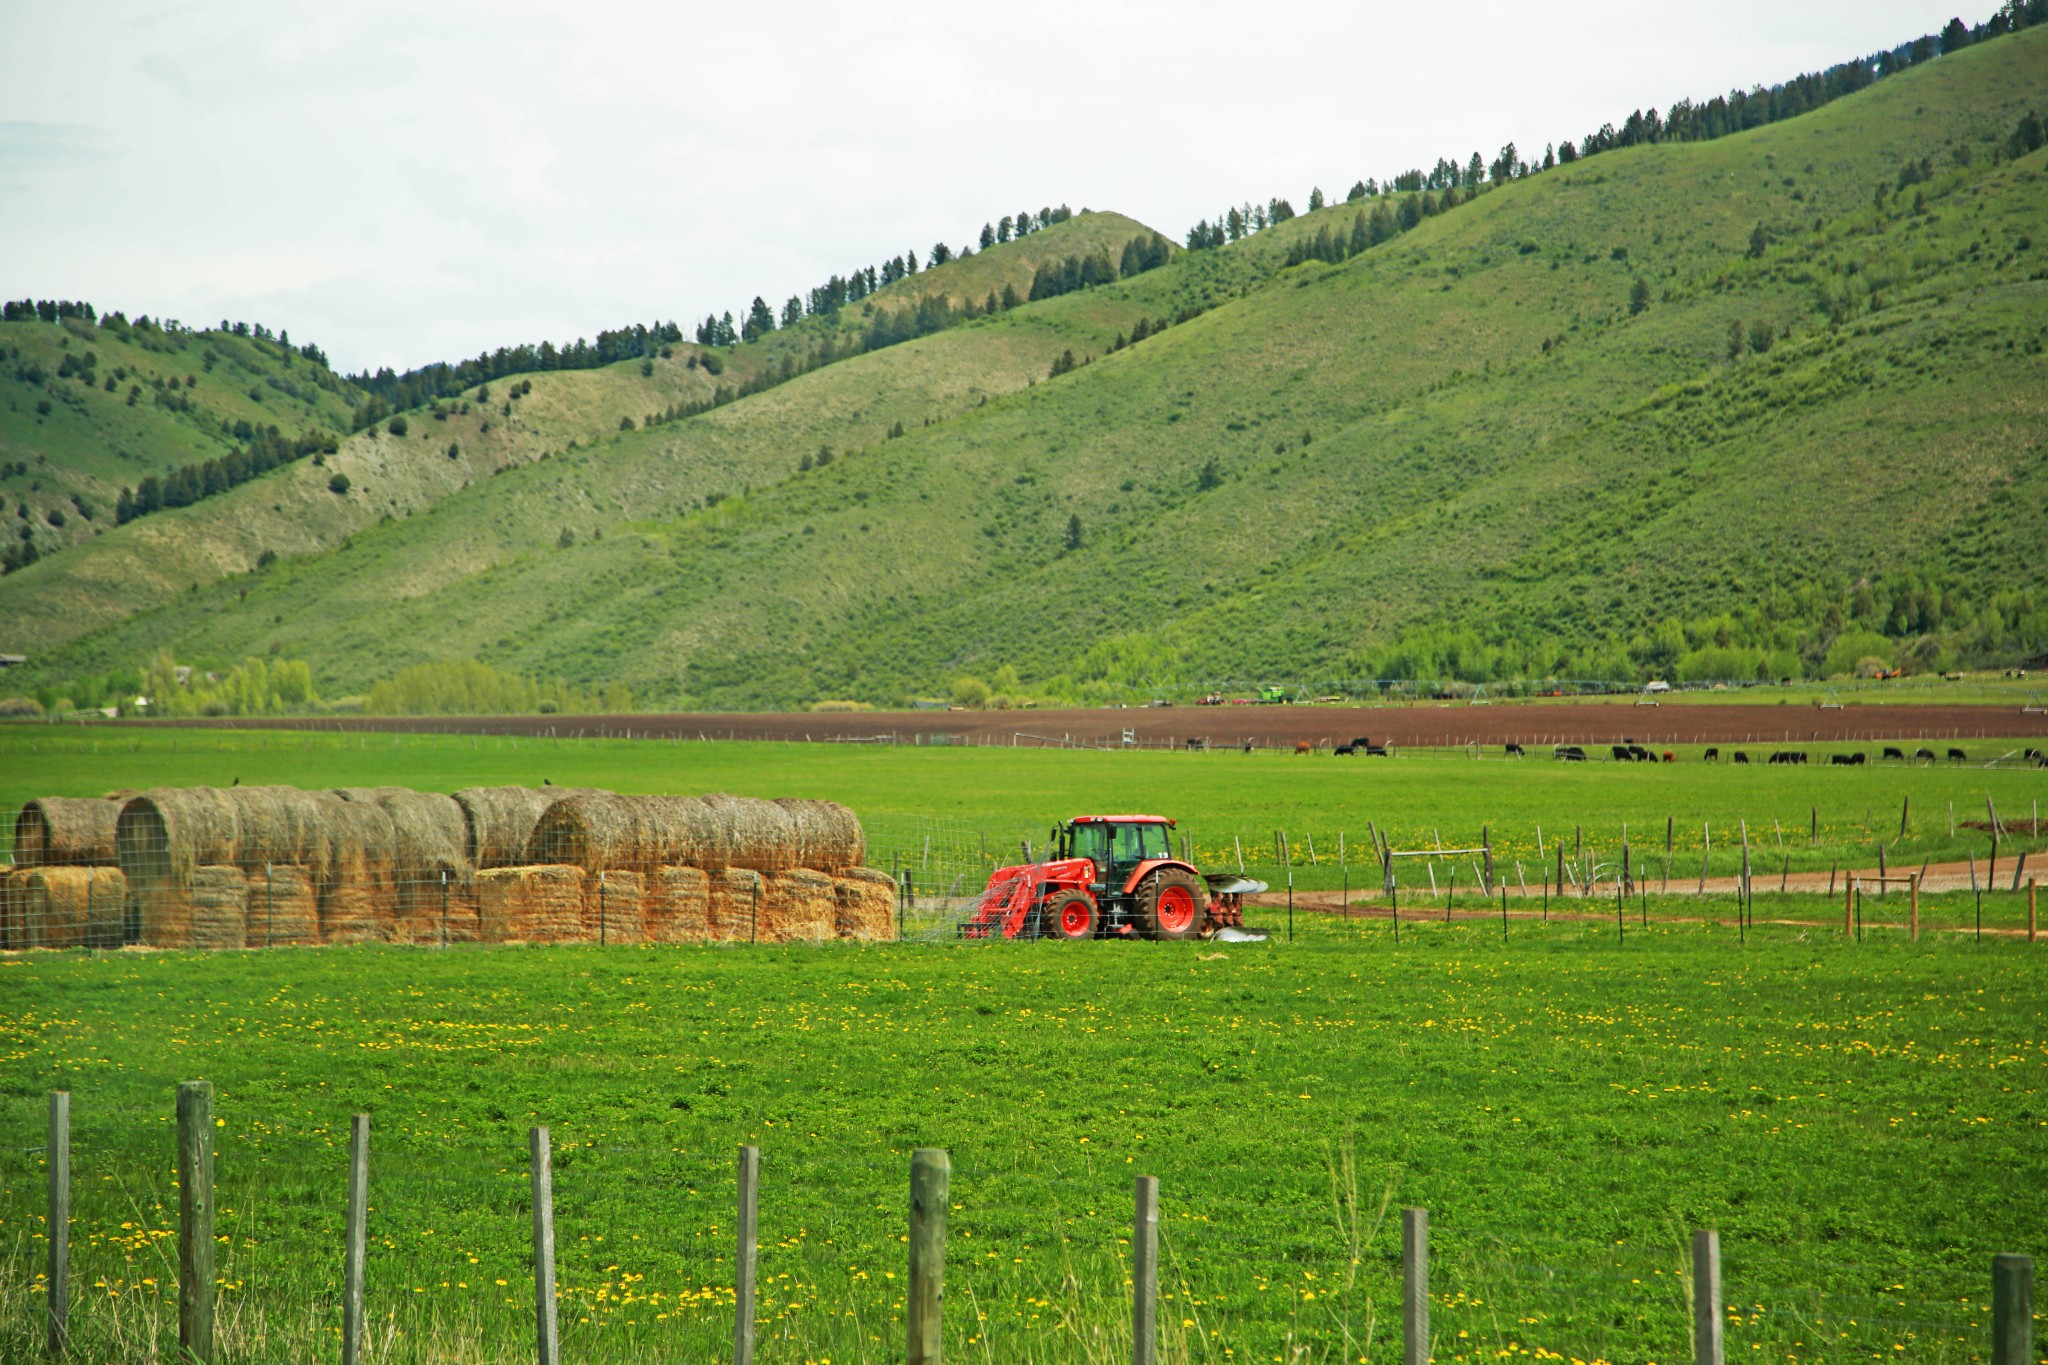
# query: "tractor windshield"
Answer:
x=1092 y=842
x=1136 y=843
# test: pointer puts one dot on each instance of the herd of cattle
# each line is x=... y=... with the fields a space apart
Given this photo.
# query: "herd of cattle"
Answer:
x=1636 y=753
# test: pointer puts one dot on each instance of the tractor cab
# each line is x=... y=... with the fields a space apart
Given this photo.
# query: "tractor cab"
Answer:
x=1116 y=844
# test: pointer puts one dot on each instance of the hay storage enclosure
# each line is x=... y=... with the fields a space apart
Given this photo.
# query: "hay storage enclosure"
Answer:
x=217 y=867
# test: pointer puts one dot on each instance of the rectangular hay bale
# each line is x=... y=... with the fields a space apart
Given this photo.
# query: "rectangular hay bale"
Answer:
x=613 y=908
x=733 y=906
x=866 y=905
x=534 y=904
x=283 y=907
x=676 y=905
x=797 y=906
x=219 y=900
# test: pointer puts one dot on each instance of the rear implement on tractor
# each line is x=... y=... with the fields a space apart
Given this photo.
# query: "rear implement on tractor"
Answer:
x=1113 y=876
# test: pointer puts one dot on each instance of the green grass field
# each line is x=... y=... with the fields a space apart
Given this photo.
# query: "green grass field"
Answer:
x=1864 y=1125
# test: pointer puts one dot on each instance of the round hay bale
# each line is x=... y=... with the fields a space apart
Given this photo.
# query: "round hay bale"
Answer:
x=499 y=821
x=732 y=905
x=66 y=831
x=753 y=833
x=357 y=876
x=866 y=905
x=828 y=835
x=430 y=852
x=675 y=905
x=535 y=904
x=797 y=907
x=612 y=908
x=597 y=831
x=283 y=907
x=163 y=834
x=285 y=825
x=219 y=901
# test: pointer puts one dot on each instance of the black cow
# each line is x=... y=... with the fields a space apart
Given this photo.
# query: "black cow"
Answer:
x=1712 y=755
x=1741 y=757
x=1640 y=754
x=1927 y=754
x=1513 y=751
x=1569 y=753
x=1342 y=750
x=1375 y=751
x=1958 y=756
x=1621 y=753
x=1899 y=754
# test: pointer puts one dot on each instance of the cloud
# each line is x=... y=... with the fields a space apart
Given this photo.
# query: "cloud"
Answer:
x=26 y=144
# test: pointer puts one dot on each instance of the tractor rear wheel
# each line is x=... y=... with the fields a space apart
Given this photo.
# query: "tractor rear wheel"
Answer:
x=1068 y=915
x=1173 y=904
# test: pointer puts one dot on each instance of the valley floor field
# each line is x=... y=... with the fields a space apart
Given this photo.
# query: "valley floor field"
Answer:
x=1430 y=723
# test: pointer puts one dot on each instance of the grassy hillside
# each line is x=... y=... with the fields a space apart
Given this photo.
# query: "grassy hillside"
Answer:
x=88 y=408
x=1515 y=441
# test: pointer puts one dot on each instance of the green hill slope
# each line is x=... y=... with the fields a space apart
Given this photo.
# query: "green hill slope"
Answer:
x=88 y=408
x=1515 y=441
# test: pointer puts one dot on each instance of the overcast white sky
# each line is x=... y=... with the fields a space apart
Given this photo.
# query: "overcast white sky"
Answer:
x=407 y=182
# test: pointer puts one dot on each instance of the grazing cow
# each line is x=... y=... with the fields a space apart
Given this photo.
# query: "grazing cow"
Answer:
x=1569 y=753
x=1343 y=750
x=1513 y=751
x=1375 y=751
x=1640 y=754
x=1621 y=754
x=1958 y=756
x=1781 y=756
x=1712 y=755
x=1927 y=754
x=1670 y=757
x=1359 y=744
x=1741 y=757
x=1842 y=760
x=1302 y=746
x=1890 y=752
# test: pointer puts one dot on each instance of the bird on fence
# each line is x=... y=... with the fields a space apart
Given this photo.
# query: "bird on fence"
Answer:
x=236 y=783
x=547 y=782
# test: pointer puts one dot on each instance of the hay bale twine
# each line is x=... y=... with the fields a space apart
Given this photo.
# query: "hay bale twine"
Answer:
x=163 y=834
x=499 y=821
x=283 y=907
x=865 y=905
x=66 y=831
x=219 y=901
x=732 y=905
x=751 y=833
x=534 y=904
x=828 y=835
x=600 y=831
x=613 y=910
x=675 y=905
x=797 y=906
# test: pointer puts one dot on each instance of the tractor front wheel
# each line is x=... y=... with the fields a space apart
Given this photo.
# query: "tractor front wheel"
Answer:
x=1069 y=915
x=1173 y=904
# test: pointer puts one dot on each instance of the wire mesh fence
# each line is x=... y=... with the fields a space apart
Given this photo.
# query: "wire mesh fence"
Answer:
x=1305 y=1262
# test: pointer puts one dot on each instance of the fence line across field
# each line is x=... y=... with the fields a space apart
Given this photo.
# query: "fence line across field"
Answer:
x=930 y=1200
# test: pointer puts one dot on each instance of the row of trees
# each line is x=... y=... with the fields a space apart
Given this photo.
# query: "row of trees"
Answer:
x=391 y=392
x=1684 y=121
x=189 y=483
x=468 y=688
x=1140 y=254
x=45 y=310
x=254 y=687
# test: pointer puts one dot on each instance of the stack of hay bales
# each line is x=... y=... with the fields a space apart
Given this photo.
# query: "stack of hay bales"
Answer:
x=65 y=889
x=180 y=867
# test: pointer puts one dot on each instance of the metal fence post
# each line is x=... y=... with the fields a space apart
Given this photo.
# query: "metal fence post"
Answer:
x=2012 y=1310
x=745 y=1255
x=547 y=1342
x=60 y=1219
x=1414 y=1286
x=195 y=1220
x=357 y=1233
x=1145 y=1272
x=1706 y=1297
x=929 y=1172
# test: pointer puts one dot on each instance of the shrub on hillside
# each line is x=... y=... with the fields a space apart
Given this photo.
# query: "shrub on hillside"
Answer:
x=338 y=484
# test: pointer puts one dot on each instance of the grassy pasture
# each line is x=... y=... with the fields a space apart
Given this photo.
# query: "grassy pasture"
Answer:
x=960 y=796
x=1863 y=1123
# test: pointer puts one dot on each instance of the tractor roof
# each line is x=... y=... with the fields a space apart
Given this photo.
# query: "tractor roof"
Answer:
x=1120 y=820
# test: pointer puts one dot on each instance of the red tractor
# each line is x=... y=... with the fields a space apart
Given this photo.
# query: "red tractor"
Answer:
x=1112 y=876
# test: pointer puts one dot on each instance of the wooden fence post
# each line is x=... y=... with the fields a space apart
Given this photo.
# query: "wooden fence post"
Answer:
x=59 y=1154
x=745 y=1255
x=1414 y=1286
x=2030 y=912
x=1706 y=1297
x=1145 y=1272
x=1913 y=893
x=356 y=1231
x=925 y=1317
x=195 y=1220
x=2012 y=1310
x=546 y=1338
